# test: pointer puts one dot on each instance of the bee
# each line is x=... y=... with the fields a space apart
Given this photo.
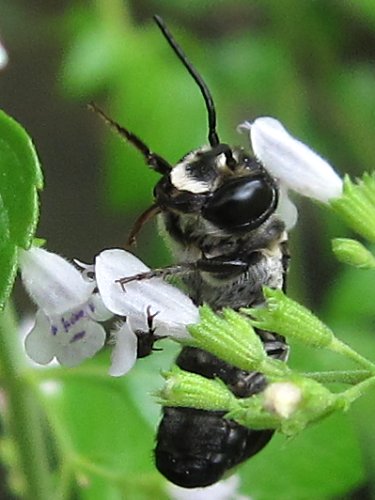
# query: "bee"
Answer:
x=218 y=207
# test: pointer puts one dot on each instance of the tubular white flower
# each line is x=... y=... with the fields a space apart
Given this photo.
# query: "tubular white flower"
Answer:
x=173 y=310
x=65 y=326
x=292 y=162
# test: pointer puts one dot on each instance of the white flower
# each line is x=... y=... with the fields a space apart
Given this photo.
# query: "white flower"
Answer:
x=172 y=309
x=295 y=165
x=71 y=305
x=66 y=325
x=3 y=56
x=227 y=489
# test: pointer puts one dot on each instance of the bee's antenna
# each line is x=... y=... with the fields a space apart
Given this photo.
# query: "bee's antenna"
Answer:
x=212 y=134
x=155 y=161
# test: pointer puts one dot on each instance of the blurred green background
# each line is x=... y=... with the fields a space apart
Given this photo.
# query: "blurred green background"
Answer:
x=311 y=64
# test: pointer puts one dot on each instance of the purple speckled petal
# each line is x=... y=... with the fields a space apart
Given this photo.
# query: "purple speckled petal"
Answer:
x=84 y=339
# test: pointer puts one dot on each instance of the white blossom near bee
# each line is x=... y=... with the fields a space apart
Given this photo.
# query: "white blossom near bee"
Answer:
x=296 y=165
x=66 y=324
x=72 y=306
x=172 y=309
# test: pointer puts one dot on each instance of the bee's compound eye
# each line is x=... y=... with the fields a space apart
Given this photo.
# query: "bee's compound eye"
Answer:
x=244 y=202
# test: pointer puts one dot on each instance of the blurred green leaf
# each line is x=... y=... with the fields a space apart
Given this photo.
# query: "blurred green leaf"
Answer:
x=102 y=427
x=364 y=10
x=349 y=309
x=355 y=100
x=322 y=463
x=350 y=300
x=21 y=177
x=95 y=52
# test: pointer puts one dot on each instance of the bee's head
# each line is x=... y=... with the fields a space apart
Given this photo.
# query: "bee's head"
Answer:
x=222 y=184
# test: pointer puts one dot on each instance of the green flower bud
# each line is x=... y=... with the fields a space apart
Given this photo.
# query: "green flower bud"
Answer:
x=357 y=205
x=195 y=391
x=352 y=252
x=231 y=337
x=288 y=318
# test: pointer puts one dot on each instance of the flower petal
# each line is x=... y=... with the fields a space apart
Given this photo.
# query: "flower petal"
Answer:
x=110 y=266
x=124 y=353
x=53 y=283
x=3 y=56
x=40 y=343
x=175 y=330
x=97 y=310
x=84 y=339
x=291 y=161
x=174 y=308
x=286 y=209
x=226 y=489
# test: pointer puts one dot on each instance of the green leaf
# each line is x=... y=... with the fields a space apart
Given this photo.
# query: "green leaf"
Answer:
x=104 y=429
x=323 y=462
x=21 y=177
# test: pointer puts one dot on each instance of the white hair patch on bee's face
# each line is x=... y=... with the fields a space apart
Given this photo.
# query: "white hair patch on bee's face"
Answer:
x=183 y=180
x=221 y=161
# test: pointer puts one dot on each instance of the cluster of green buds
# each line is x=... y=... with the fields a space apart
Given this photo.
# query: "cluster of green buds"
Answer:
x=290 y=400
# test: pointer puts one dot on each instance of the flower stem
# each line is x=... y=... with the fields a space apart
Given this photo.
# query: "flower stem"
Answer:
x=358 y=390
x=23 y=413
x=340 y=347
x=351 y=377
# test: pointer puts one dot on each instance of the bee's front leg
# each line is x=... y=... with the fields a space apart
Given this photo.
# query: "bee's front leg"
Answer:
x=214 y=265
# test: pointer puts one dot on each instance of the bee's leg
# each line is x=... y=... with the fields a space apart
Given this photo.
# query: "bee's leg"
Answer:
x=220 y=265
x=215 y=265
x=146 y=340
x=162 y=272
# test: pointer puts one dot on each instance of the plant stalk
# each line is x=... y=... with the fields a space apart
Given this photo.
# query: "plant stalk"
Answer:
x=23 y=412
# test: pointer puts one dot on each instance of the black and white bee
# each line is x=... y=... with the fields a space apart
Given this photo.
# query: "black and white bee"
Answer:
x=218 y=208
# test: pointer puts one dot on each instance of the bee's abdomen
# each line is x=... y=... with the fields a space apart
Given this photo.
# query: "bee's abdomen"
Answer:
x=196 y=447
